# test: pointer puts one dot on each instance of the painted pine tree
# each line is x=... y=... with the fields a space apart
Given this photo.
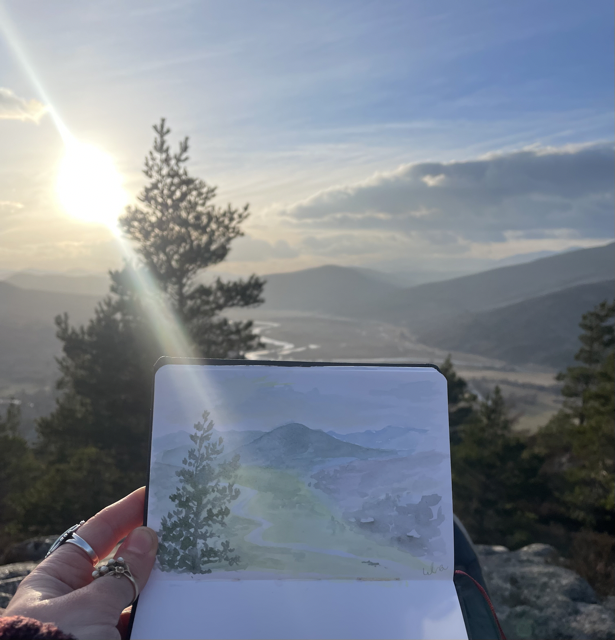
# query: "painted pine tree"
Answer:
x=192 y=534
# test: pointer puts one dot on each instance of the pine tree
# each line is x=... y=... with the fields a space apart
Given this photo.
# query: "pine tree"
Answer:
x=106 y=366
x=179 y=232
x=191 y=535
x=578 y=441
x=496 y=488
x=597 y=341
x=17 y=467
x=461 y=401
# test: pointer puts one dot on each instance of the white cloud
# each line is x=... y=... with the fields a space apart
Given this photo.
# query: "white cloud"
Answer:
x=434 y=181
x=12 y=107
x=249 y=249
x=537 y=192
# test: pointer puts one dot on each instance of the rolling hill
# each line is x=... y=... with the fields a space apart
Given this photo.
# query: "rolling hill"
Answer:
x=418 y=308
x=338 y=291
x=28 y=344
x=359 y=293
x=542 y=330
x=297 y=446
x=58 y=283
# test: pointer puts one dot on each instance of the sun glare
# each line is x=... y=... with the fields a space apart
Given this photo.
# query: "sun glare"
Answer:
x=89 y=186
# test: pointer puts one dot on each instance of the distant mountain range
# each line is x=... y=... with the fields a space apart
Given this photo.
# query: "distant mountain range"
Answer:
x=290 y=446
x=420 y=307
x=543 y=330
x=351 y=292
x=521 y=313
x=90 y=285
x=397 y=438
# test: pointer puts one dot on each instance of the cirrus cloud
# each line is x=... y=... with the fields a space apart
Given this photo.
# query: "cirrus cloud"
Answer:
x=534 y=191
x=12 y=107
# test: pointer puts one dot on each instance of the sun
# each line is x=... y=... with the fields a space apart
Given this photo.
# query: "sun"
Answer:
x=89 y=186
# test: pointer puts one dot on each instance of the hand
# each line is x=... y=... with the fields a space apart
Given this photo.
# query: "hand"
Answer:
x=61 y=589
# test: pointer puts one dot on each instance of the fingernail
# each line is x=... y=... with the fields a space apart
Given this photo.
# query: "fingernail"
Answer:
x=142 y=540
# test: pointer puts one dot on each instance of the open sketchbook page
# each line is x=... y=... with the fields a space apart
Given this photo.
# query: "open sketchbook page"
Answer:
x=300 y=502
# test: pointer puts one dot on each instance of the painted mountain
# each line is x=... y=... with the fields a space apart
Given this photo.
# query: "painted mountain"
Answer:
x=295 y=446
x=397 y=438
x=174 y=447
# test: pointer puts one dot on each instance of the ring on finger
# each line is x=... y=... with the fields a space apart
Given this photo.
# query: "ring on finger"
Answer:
x=118 y=568
x=70 y=536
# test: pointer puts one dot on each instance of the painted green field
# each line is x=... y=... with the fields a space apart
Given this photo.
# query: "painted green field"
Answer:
x=279 y=526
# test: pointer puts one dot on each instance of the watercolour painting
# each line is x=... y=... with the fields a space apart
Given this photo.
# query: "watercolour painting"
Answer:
x=300 y=472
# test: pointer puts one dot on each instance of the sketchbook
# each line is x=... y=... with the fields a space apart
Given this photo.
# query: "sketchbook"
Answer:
x=299 y=500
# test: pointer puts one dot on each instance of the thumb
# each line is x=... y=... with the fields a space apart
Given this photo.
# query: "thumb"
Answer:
x=139 y=552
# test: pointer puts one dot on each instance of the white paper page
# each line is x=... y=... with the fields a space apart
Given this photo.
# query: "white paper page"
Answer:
x=318 y=500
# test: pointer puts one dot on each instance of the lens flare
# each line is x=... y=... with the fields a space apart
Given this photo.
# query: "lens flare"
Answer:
x=89 y=186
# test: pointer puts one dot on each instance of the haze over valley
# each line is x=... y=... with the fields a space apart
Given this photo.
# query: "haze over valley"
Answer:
x=514 y=325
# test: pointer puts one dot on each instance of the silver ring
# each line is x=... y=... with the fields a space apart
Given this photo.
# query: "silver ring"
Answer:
x=118 y=568
x=82 y=544
x=71 y=536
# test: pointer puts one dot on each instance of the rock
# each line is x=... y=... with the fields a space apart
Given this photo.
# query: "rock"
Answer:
x=5 y=598
x=489 y=550
x=536 y=598
x=31 y=550
x=16 y=570
x=11 y=576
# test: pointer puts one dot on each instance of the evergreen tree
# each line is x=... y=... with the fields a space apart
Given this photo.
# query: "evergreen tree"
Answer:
x=461 y=401
x=191 y=534
x=496 y=489
x=179 y=232
x=106 y=366
x=17 y=467
x=582 y=381
x=578 y=441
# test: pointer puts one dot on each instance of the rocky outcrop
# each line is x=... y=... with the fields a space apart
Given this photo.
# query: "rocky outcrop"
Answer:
x=11 y=576
x=535 y=597
x=32 y=550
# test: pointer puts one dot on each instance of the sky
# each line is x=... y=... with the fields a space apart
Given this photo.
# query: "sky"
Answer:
x=394 y=135
x=262 y=398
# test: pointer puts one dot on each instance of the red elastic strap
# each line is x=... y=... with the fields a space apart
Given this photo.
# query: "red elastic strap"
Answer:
x=486 y=596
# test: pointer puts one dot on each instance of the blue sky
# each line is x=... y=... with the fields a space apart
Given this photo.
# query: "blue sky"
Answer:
x=345 y=400
x=290 y=105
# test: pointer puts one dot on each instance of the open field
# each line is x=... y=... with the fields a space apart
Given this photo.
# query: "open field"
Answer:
x=534 y=396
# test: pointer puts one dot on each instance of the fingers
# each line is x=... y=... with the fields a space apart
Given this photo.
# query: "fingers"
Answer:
x=71 y=565
x=139 y=553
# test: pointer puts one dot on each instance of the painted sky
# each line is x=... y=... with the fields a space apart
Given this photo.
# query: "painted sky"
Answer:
x=395 y=135
x=342 y=399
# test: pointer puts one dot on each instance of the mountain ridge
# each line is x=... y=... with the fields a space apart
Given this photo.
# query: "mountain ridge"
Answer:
x=389 y=437
x=542 y=330
x=294 y=445
x=418 y=307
